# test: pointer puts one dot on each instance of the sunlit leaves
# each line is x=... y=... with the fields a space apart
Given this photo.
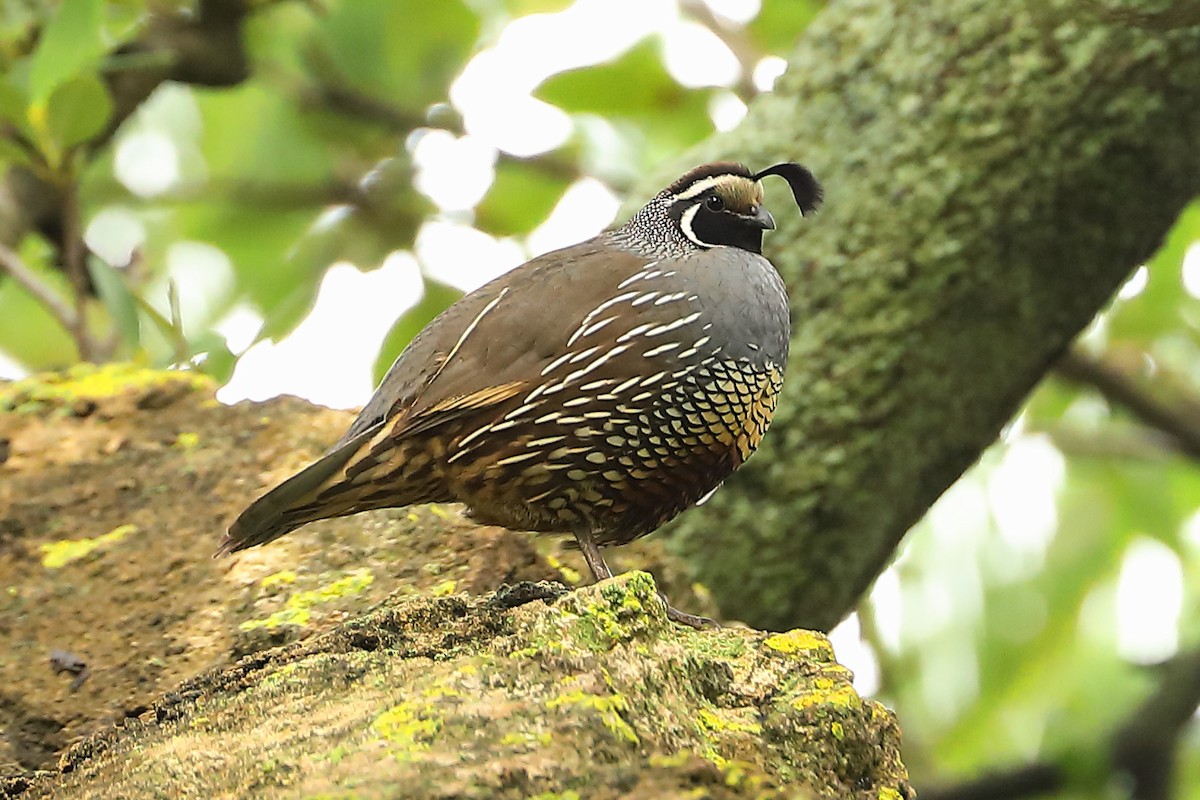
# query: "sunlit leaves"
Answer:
x=77 y=110
x=780 y=22
x=1164 y=300
x=521 y=196
x=28 y=332
x=405 y=51
x=69 y=44
x=636 y=87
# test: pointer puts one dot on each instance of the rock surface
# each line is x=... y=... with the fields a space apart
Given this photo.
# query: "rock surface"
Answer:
x=592 y=692
x=186 y=677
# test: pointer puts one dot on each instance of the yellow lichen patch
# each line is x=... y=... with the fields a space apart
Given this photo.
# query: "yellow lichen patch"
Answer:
x=187 y=441
x=84 y=382
x=526 y=739
x=888 y=793
x=842 y=696
x=445 y=588
x=711 y=721
x=296 y=612
x=61 y=553
x=609 y=708
x=571 y=576
x=567 y=795
x=404 y=725
x=282 y=578
x=812 y=645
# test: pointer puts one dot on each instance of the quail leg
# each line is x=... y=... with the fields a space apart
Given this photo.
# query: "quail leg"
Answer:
x=600 y=572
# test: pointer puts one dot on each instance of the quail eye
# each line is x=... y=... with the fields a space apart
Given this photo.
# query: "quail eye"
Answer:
x=715 y=203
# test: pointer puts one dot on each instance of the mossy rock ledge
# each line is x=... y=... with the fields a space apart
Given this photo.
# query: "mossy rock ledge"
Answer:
x=530 y=692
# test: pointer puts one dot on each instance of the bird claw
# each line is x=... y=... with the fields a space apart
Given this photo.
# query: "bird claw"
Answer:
x=684 y=618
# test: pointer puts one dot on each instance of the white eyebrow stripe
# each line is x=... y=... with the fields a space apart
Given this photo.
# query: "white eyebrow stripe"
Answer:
x=703 y=185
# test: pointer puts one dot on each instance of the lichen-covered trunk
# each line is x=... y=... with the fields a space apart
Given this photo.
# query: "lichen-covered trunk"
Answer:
x=993 y=172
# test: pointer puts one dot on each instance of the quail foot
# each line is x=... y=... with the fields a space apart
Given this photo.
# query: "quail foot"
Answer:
x=597 y=390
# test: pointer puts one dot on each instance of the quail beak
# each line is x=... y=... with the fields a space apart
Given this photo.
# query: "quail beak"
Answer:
x=762 y=219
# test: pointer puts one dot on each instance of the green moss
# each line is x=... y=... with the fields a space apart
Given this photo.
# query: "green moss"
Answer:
x=617 y=614
x=59 y=554
x=91 y=382
x=609 y=707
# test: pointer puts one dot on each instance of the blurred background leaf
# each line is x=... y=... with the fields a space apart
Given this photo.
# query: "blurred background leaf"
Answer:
x=1026 y=612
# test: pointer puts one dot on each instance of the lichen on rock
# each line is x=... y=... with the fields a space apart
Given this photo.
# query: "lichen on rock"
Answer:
x=536 y=692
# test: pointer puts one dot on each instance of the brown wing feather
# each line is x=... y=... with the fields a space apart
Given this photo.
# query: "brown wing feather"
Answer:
x=438 y=379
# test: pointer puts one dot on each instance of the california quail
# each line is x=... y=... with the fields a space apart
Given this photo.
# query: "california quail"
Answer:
x=599 y=390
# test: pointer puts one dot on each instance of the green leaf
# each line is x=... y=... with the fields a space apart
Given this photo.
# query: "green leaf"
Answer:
x=520 y=198
x=78 y=110
x=403 y=51
x=435 y=300
x=780 y=22
x=30 y=335
x=520 y=8
x=639 y=97
x=13 y=153
x=119 y=300
x=1156 y=310
x=637 y=83
x=217 y=359
x=282 y=317
x=14 y=106
x=71 y=42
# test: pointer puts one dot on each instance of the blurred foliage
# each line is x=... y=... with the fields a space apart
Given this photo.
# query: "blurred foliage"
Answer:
x=1024 y=615
x=996 y=631
x=305 y=162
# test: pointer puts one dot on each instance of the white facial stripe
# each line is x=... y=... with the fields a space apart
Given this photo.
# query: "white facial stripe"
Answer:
x=685 y=223
x=702 y=186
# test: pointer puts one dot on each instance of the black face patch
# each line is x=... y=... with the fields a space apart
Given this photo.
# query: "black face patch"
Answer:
x=707 y=220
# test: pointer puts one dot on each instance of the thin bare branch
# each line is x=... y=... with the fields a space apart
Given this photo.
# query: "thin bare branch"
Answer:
x=1173 y=413
x=1142 y=750
x=55 y=304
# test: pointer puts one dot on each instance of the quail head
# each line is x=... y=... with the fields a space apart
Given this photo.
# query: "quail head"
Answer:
x=597 y=390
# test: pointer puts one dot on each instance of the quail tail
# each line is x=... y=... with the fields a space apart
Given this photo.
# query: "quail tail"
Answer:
x=289 y=505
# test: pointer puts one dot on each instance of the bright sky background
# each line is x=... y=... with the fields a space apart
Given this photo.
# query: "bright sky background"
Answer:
x=328 y=358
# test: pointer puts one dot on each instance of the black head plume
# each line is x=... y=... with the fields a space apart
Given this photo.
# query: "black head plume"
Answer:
x=805 y=187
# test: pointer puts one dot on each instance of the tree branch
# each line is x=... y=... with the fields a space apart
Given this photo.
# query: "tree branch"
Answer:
x=742 y=48
x=1178 y=418
x=930 y=295
x=54 y=304
x=1142 y=749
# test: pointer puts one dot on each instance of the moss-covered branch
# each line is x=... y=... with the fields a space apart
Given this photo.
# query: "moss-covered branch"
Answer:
x=993 y=172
